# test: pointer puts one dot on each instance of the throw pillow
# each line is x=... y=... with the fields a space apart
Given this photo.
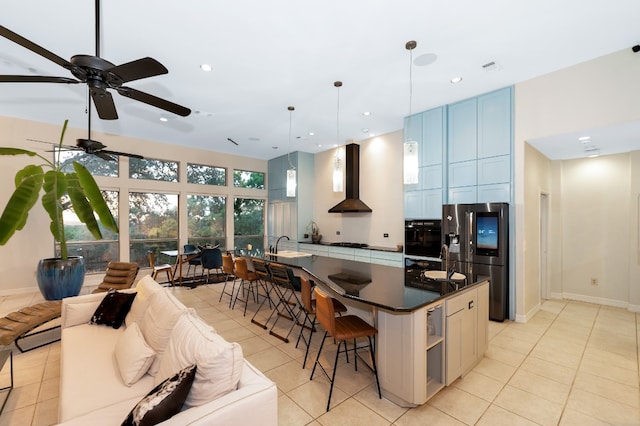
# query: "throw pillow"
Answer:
x=133 y=355
x=164 y=401
x=113 y=309
x=219 y=362
x=146 y=289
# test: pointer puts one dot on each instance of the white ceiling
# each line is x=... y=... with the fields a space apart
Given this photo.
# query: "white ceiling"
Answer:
x=267 y=55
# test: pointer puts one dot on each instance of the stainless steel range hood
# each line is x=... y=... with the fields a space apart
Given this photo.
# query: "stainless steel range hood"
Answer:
x=352 y=204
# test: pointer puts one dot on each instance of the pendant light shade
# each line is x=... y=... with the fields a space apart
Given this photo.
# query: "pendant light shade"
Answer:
x=410 y=166
x=338 y=159
x=291 y=172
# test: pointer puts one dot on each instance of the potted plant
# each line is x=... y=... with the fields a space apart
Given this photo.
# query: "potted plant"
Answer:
x=63 y=276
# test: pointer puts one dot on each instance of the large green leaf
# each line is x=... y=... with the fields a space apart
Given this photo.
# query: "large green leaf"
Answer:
x=55 y=187
x=81 y=205
x=92 y=192
x=15 y=213
x=16 y=151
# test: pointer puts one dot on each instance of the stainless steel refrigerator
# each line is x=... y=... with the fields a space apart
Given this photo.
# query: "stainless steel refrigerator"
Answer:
x=477 y=237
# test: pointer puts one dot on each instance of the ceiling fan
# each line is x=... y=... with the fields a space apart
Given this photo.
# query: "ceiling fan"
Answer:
x=99 y=75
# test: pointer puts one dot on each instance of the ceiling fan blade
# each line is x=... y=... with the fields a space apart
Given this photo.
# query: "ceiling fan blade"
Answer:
x=136 y=70
x=104 y=155
x=35 y=79
x=17 y=38
x=89 y=145
x=104 y=104
x=154 y=101
x=125 y=154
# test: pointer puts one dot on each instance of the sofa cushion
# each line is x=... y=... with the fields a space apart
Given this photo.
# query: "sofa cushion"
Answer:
x=158 y=321
x=145 y=288
x=133 y=355
x=219 y=362
x=113 y=308
x=164 y=401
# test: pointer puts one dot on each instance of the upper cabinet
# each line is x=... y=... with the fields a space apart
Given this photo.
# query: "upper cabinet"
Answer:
x=465 y=154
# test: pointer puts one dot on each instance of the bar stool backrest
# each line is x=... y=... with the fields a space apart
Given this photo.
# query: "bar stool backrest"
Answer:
x=227 y=264
x=325 y=313
x=262 y=270
x=305 y=294
x=242 y=271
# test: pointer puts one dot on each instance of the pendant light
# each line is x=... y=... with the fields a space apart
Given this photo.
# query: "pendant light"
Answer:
x=338 y=163
x=291 y=172
x=410 y=169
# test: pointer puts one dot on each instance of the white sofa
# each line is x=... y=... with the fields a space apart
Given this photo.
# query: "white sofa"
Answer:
x=92 y=390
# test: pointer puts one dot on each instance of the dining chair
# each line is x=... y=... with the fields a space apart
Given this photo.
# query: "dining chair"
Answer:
x=229 y=274
x=195 y=261
x=162 y=267
x=211 y=259
x=342 y=329
x=309 y=310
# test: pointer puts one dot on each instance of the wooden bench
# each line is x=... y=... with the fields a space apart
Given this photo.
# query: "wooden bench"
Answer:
x=18 y=325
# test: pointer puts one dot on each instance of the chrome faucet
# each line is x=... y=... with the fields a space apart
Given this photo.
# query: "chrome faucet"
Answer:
x=444 y=255
x=278 y=240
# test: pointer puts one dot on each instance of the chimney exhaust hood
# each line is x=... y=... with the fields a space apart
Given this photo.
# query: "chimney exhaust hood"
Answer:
x=352 y=204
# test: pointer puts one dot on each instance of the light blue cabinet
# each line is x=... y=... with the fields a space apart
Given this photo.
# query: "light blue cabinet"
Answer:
x=494 y=170
x=500 y=193
x=433 y=136
x=463 y=174
x=462 y=131
x=463 y=195
x=494 y=123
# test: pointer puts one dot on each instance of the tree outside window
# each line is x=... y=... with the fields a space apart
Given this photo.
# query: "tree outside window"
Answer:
x=206 y=175
x=248 y=220
x=144 y=168
x=206 y=219
x=246 y=179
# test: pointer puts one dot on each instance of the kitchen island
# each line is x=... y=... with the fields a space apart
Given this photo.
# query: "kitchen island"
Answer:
x=427 y=338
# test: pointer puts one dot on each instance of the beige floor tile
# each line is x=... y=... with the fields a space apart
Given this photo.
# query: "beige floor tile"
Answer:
x=479 y=385
x=288 y=376
x=495 y=369
x=602 y=408
x=552 y=354
x=253 y=345
x=504 y=355
x=237 y=334
x=610 y=358
x=629 y=395
x=351 y=381
x=23 y=396
x=529 y=406
x=46 y=413
x=512 y=343
x=290 y=413
x=427 y=415
x=49 y=389
x=268 y=359
x=351 y=412
x=385 y=408
x=543 y=387
x=459 y=404
x=20 y=417
x=553 y=306
x=601 y=368
x=549 y=369
x=524 y=332
x=572 y=417
x=496 y=327
x=313 y=396
x=496 y=416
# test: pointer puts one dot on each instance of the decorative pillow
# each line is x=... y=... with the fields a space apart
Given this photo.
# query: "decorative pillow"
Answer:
x=113 y=308
x=79 y=313
x=133 y=355
x=219 y=362
x=157 y=323
x=164 y=401
x=146 y=288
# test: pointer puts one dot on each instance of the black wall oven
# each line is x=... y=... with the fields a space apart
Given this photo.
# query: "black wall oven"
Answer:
x=422 y=237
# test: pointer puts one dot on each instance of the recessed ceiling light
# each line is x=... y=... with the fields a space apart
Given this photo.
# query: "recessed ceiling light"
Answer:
x=205 y=67
x=311 y=134
x=365 y=130
x=584 y=138
x=366 y=113
x=456 y=80
x=164 y=119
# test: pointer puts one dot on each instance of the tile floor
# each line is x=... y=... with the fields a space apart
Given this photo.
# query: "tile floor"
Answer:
x=572 y=364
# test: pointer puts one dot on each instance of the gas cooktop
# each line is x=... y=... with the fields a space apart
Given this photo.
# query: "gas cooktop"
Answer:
x=351 y=245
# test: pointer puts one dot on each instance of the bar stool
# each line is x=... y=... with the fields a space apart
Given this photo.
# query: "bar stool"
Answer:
x=309 y=309
x=229 y=273
x=342 y=329
x=261 y=269
x=288 y=304
x=248 y=281
x=164 y=267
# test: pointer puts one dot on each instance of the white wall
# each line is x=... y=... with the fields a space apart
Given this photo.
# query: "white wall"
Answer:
x=381 y=189
x=597 y=93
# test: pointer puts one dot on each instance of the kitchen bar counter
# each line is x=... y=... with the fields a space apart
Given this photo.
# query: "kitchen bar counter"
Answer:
x=377 y=285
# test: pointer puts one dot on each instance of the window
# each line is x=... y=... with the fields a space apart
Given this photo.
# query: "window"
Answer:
x=153 y=226
x=248 y=219
x=153 y=169
x=206 y=218
x=80 y=242
x=245 y=179
x=206 y=175
x=96 y=165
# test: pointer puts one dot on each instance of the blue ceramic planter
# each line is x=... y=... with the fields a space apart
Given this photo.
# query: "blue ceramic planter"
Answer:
x=59 y=278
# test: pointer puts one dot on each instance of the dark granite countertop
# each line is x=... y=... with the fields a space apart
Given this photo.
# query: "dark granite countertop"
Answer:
x=378 y=285
x=376 y=248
